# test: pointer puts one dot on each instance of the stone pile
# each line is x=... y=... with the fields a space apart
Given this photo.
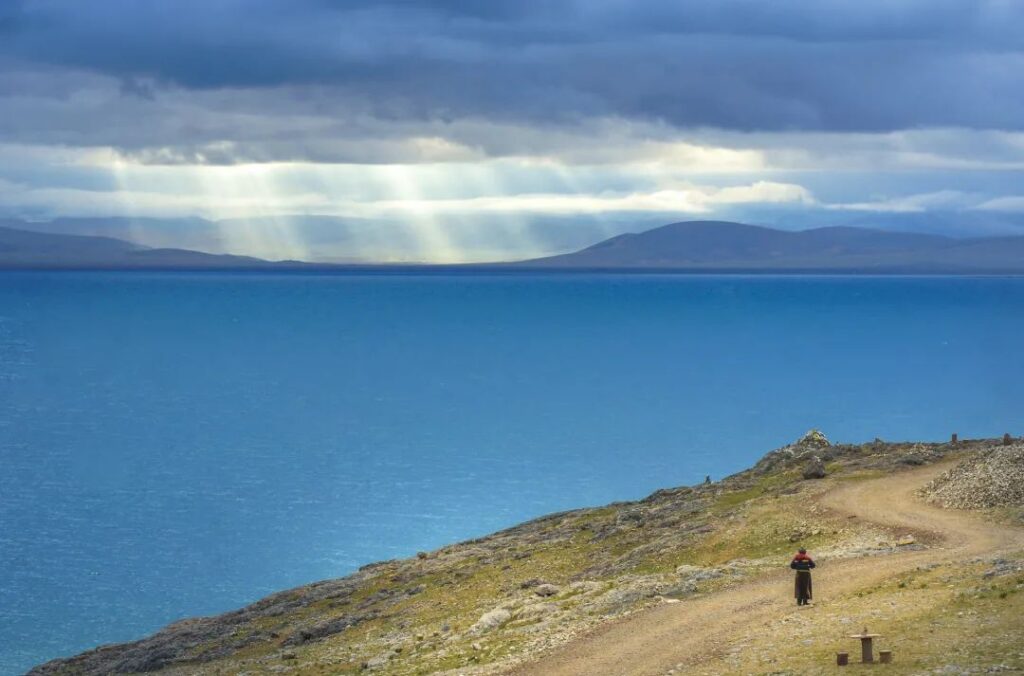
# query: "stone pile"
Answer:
x=991 y=478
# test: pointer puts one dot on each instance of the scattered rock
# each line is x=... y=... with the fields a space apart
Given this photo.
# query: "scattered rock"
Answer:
x=697 y=573
x=585 y=587
x=629 y=517
x=315 y=632
x=546 y=590
x=535 y=610
x=378 y=661
x=905 y=540
x=491 y=620
x=1002 y=567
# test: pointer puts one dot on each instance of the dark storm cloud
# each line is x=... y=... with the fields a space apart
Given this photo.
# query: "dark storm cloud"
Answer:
x=743 y=64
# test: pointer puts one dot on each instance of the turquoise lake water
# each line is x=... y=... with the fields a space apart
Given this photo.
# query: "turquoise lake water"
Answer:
x=176 y=444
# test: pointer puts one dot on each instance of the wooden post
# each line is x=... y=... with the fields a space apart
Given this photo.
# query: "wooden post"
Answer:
x=953 y=439
x=866 y=653
x=885 y=656
x=1007 y=439
x=842 y=659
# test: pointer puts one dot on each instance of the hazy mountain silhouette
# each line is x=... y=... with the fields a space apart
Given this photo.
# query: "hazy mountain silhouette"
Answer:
x=720 y=245
x=700 y=246
x=23 y=249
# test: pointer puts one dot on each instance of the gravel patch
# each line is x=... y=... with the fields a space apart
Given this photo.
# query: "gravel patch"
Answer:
x=992 y=478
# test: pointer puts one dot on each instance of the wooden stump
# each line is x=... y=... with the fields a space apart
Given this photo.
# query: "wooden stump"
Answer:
x=885 y=656
x=842 y=659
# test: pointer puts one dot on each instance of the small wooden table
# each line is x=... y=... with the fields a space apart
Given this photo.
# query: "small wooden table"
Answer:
x=866 y=647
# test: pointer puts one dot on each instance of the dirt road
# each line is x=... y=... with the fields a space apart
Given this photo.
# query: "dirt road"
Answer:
x=690 y=632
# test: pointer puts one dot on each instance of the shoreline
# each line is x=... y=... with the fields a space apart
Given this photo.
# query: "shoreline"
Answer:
x=527 y=587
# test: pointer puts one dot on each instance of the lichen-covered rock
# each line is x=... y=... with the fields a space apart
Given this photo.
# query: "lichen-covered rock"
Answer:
x=490 y=620
x=814 y=439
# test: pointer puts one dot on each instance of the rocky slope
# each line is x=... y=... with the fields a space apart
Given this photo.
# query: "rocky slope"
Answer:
x=994 y=478
x=485 y=604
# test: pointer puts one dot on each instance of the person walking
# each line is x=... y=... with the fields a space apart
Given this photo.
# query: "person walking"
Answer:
x=802 y=564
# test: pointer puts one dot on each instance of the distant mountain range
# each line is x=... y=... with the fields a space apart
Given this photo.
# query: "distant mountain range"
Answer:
x=24 y=249
x=696 y=246
x=334 y=239
x=719 y=246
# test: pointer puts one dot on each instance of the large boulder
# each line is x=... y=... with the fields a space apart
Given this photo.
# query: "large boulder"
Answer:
x=546 y=590
x=814 y=468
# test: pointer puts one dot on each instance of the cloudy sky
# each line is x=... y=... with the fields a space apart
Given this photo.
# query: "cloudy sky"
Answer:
x=503 y=128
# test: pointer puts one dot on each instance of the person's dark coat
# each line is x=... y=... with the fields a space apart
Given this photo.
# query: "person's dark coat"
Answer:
x=802 y=589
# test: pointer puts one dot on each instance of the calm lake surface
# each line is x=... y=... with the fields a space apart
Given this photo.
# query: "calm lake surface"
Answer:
x=176 y=444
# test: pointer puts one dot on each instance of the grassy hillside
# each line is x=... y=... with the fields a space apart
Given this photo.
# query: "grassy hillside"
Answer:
x=482 y=605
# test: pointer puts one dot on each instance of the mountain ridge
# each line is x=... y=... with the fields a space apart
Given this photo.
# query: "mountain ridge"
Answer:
x=685 y=247
x=723 y=245
x=25 y=249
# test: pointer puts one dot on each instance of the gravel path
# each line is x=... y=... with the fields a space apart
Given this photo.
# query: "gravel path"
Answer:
x=683 y=635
